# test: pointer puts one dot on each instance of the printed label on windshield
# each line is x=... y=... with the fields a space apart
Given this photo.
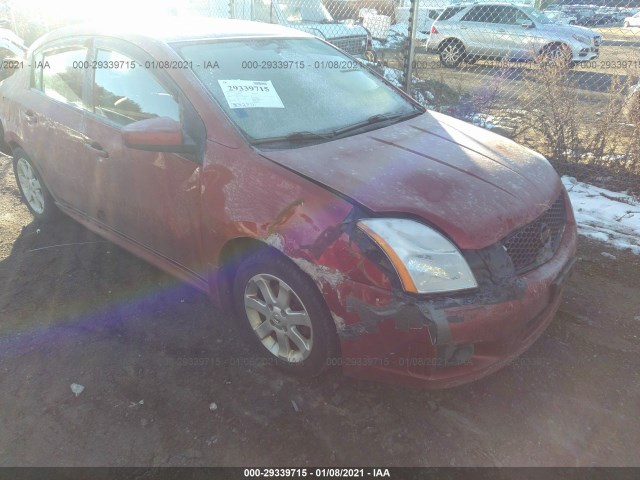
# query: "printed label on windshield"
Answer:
x=250 y=94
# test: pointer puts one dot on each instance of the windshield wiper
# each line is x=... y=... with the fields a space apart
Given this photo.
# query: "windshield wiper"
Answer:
x=379 y=118
x=307 y=136
x=294 y=137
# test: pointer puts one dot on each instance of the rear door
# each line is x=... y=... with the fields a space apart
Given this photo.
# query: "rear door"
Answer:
x=482 y=32
x=53 y=111
x=153 y=198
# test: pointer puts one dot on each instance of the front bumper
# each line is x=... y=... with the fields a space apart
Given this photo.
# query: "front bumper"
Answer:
x=586 y=54
x=444 y=342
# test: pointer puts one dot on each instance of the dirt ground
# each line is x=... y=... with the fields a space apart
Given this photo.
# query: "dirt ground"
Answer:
x=153 y=355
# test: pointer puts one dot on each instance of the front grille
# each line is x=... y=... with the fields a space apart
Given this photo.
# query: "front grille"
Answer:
x=352 y=45
x=535 y=243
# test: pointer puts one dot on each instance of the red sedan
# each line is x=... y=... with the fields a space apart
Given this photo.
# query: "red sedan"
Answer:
x=342 y=223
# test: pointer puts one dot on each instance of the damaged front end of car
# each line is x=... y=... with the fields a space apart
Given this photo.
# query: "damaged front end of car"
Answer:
x=439 y=339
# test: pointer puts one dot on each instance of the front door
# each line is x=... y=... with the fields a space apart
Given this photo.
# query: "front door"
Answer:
x=153 y=197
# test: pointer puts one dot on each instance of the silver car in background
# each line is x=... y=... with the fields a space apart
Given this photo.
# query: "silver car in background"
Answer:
x=468 y=32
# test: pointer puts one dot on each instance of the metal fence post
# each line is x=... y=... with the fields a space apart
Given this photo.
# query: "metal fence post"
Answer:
x=408 y=58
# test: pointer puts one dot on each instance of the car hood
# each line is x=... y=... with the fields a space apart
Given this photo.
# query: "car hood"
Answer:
x=472 y=184
x=568 y=30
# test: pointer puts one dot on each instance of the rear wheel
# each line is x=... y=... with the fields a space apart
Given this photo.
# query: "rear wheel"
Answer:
x=284 y=314
x=452 y=54
x=32 y=189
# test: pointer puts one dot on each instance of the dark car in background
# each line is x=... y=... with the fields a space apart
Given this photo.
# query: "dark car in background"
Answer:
x=340 y=222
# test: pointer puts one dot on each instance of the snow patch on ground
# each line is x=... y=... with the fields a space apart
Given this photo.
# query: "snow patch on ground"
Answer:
x=397 y=36
x=423 y=97
x=601 y=214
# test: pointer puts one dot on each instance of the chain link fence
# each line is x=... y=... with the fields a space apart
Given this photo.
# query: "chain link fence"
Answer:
x=561 y=78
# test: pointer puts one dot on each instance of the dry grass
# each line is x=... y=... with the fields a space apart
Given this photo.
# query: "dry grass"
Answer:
x=604 y=151
x=584 y=120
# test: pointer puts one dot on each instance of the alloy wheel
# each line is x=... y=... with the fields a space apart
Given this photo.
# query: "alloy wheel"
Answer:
x=30 y=186
x=278 y=318
x=451 y=55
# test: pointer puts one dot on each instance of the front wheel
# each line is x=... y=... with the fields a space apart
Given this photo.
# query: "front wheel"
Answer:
x=557 y=55
x=32 y=189
x=284 y=314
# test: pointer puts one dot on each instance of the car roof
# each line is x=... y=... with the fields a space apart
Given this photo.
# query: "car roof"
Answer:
x=169 y=29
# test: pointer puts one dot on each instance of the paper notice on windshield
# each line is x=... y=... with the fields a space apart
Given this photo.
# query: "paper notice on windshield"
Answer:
x=250 y=94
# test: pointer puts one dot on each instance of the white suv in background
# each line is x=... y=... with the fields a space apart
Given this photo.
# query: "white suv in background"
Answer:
x=632 y=21
x=467 y=32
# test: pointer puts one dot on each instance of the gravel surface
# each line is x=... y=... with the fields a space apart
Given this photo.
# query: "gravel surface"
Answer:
x=106 y=361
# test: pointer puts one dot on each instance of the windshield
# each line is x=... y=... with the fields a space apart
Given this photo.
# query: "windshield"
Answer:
x=297 y=11
x=536 y=15
x=276 y=87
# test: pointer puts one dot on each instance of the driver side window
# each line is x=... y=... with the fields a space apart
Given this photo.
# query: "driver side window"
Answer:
x=520 y=17
x=126 y=92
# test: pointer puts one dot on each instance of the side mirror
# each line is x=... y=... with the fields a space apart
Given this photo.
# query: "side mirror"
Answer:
x=158 y=134
x=527 y=24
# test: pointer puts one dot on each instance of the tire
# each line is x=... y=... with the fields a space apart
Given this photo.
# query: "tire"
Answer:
x=452 y=54
x=557 y=54
x=33 y=191
x=283 y=314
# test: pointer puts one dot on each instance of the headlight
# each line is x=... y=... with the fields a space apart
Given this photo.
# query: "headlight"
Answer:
x=582 y=39
x=425 y=260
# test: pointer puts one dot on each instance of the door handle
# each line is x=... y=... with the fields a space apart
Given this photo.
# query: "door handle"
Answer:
x=97 y=149
x=501 y=31
x=31 y=117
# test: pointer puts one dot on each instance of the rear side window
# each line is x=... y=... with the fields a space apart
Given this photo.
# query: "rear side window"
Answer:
x=450 y=12
x=61 y=77
x=485 y=14
x=434 y=14
x=129 y=92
